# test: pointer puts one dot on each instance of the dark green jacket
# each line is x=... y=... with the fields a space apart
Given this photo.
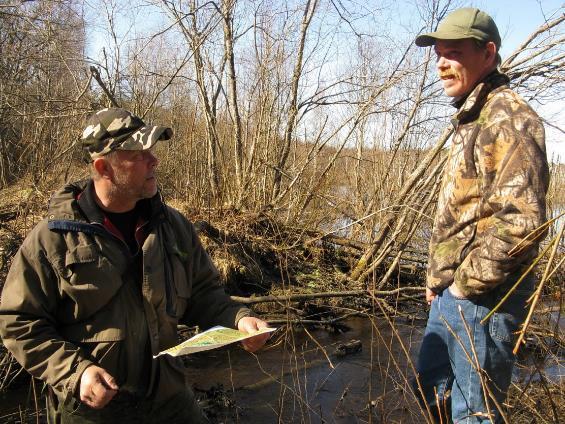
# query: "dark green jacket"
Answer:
x=74 y=297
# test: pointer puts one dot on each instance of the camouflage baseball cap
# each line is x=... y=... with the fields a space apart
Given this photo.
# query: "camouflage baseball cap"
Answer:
x=462 y=23
x=117 y=129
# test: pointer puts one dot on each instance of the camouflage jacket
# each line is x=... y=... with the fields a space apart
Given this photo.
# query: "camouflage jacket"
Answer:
x=492 y=194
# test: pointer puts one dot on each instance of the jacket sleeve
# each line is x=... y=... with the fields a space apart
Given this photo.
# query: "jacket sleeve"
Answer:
x=27 y=323
x=209 y=303
x=513 y=171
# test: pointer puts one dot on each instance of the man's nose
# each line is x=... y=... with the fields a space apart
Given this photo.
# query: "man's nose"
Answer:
x=152 y=159
x=441 y=63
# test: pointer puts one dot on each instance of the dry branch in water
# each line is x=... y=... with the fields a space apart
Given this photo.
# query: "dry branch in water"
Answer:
x=309 y=296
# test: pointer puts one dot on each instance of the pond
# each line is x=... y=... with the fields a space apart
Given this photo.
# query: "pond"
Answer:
x=301 y=379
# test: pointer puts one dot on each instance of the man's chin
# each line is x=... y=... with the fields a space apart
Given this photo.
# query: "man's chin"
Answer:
x=452 y=92
x=150 y=194
x=151 y=191
x=450 y=86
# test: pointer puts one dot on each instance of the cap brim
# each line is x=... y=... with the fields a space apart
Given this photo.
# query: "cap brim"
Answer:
x=430 y=38
x=146 y=137
x=425 y=40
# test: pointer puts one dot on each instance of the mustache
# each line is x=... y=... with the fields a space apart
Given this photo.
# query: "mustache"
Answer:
x=448 y=74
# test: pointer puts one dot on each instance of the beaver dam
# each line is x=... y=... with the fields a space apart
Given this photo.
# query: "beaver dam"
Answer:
x=343 y=351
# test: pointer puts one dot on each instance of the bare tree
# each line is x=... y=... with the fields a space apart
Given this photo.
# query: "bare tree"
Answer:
x=309 y=10
x=41 y=46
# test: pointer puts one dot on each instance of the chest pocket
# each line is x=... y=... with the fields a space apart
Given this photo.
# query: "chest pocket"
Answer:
x=89 y=285
x=177 y=285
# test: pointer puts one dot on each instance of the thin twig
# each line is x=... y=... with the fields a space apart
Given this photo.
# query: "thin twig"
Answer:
x=478 y=369
x=96 y=74
x=408 y=359
x=537 y=293
x=321 y=348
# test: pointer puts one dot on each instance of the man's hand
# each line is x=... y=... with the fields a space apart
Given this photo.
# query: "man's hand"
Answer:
x=430 y=295
x=97 y=387
x=456 y=292
x=250 y=325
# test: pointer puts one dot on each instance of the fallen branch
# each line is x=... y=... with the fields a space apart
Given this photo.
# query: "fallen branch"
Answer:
x=322 y=322
x=307 y=296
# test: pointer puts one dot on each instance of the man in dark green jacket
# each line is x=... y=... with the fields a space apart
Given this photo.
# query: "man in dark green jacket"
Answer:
x=99 y=286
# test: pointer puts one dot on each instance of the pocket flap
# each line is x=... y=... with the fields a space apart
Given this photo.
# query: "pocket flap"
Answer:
x=88 y=333
x=82 y=254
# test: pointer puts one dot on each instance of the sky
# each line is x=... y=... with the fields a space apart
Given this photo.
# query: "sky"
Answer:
x=516 y=19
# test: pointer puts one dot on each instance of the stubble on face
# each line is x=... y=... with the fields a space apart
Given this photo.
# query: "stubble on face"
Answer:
x=129 y=185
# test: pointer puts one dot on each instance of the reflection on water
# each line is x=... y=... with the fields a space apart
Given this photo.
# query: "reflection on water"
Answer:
x=545 y=355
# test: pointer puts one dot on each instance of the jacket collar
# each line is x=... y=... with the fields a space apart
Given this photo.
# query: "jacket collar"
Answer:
x=470 y=106
x=75 y=205
x=88 y=205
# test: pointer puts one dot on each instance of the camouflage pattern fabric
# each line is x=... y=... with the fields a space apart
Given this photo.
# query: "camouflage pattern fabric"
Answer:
x=118 y=129
x=492 y=194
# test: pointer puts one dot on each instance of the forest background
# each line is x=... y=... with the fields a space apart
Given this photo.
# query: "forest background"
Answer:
x=309 y=135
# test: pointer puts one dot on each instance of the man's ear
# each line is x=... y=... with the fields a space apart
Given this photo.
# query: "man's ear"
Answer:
x=103 y=167
x=491 y=51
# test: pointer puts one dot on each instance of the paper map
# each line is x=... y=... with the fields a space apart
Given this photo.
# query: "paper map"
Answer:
x=213 y=338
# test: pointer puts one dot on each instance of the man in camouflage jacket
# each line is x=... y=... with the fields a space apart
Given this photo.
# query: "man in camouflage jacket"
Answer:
x=99 y=286
x=492 y=197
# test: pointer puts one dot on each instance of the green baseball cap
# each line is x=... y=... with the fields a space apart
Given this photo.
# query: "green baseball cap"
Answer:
x=118 y=129
x=463 y=23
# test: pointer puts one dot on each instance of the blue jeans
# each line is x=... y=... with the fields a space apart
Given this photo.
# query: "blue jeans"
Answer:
x=447 y=364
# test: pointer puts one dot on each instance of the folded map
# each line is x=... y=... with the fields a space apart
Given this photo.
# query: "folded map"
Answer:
x=213 y=338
